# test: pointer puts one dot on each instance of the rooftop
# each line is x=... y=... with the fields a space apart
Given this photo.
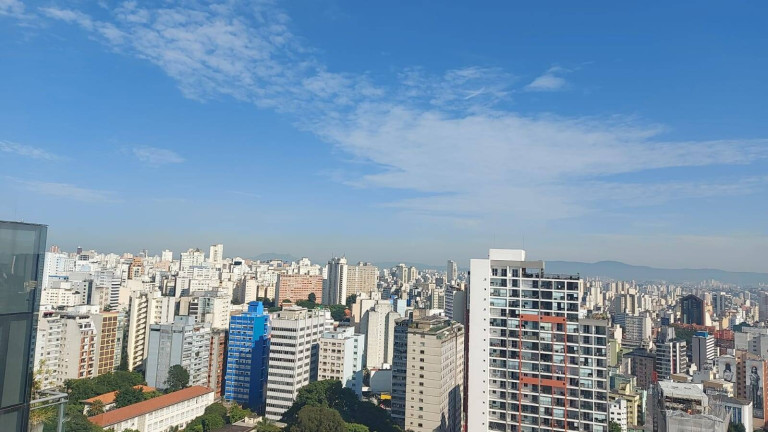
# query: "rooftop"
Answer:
x=679 y=390
x=108 y=398
x=121 y=414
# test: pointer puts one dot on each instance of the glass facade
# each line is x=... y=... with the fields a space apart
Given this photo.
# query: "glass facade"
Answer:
x=247 y=357
x=21 y=264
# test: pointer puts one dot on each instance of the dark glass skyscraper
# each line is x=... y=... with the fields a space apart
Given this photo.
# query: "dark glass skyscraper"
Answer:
x=247 y=357
x=692 y=310
x=22 y=250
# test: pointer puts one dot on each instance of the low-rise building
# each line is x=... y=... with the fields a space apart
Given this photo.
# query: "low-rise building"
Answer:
x=173 y=410
x=108 y=399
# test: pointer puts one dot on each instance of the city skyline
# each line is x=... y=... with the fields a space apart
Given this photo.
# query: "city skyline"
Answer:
x=269 y=129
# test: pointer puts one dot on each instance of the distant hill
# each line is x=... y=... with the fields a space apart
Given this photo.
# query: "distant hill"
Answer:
x=420 y=266
x=275 y=256
x=619 y=270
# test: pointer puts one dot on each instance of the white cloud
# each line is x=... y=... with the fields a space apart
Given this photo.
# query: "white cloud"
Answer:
x=156 y=156
x=549 y=81
x=11 y=7
x=69 y=191
x=490 y=161
x=443 y=136
x=26 y=150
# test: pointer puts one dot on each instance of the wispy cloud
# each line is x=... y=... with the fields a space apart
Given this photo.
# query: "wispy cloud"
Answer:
x=26 y=150
x=66 y=190
x=156 y=156
x=11 y=7
x=551 y=80
x=443 y=135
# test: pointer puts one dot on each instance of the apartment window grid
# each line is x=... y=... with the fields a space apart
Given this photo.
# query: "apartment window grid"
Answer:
x=546 y=370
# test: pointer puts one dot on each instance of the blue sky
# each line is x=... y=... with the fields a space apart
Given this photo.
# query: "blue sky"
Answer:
x=416 y=130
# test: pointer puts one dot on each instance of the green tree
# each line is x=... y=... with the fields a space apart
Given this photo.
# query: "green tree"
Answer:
x=331 y=394
x=128 y=396
x=267 y=426
x=77 y=422
x=312 y=297
x=152 y=394
x=306 y=304
x=96 y=408
x=351 y=299
x=178 y=378
x=337 y=312
x=216 y=409
x=614 y=427
x=211 y=422
x=736 y=427
x=356 y=427
x=236 y=413
x=318 y=419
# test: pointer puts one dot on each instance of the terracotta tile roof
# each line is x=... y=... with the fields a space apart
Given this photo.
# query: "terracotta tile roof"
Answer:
x=108 y=398
x=121 y=414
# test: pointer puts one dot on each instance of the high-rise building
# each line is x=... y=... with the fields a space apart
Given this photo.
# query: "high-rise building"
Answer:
x=48 y=350
x=703 y=349
x=336 y=284
x=192 y=258
x=184 y=342
x=247 y=357
x=642 y=366
x=692 y=310
x=341 y=358
x=671 y=358
x=216 y=254
x=293 y=355
x=146 y=308
x=380 y=335
x=166 y=255
x=79 y=349
x=452 y=272
x=109 y=331
x=456 y=304
x=636 y=330
x=211 y=307
x=400 y=370
x=434 y=384
x=296 y=287
x=535 y=361
x=217 y=355
x=763 y=306
x=362 y=278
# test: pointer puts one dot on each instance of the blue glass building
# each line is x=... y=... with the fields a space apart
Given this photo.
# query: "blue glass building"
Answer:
x=245 y=380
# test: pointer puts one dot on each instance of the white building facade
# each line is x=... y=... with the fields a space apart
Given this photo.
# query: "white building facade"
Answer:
x=293 y=354
x=535 y=361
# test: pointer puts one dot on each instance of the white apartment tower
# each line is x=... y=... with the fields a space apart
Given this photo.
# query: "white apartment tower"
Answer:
x=216 y=254
x=380 y=335
x=166 y=255
x=192 y=258
x=452 y=272
x=48 y=350
x=293 y=354
x=146 y=308
x=535 y=362
x=336 y=285
x=703 y=349
x=341 y=358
